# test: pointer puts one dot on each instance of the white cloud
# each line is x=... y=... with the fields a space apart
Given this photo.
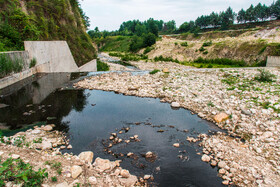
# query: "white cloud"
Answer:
x=109 y=14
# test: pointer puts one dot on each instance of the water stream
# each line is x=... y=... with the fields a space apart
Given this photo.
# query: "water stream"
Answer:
x=88 y=117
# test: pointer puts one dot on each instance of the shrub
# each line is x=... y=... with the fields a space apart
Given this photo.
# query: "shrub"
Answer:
x=7 y=65
x=20 y=172
x=101 y=66
x=54 y=179
x=202 y=49
x=154 y=71
x=264 y=76
x=148 y=49
x=185 y=44
x=206 y=44
x=33 y=63
x=205 y=52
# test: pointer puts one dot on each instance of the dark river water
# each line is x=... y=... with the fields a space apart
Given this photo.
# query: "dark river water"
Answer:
x=88 y=117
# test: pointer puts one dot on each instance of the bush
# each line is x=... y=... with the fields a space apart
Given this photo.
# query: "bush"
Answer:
x=101 y=66
x=154 y=71
x=149 y=39
x=202 y=49
x=184 y=44
x=221 y=61
x=264 y=76
x=7 y=65
x=33 y=63
x=148 y=49
x=206 y=44
x=205 y=52
x=19 y=172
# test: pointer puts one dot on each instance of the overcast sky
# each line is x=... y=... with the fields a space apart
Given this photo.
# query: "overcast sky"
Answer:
x=109 y=14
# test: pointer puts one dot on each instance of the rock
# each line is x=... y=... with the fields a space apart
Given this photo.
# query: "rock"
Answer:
x=15 y=156
x=114 y=134
x=149 y=154
x=165 y=70
x=48 y=128
x=1 y=153
x=69 y=147
x=3 y=105
x=86 y=156
x=92 y=180
x=175 y=105
x=104 y=164
x=62 y=147
x=176 y=145
x=128 y=182
x=246 y=112
x=76 y=171
x=125 y=173
x=225 y=182
x=129 y=154
x=222 y=171
x=46 y=145
x=222 y=164
x=147 y=177
x=221 y=117
x=267 y=134
x=64 y=184
x=36 y=131
x=213 y=163
x=205 y=158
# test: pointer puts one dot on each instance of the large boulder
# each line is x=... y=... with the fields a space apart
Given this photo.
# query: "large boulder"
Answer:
x=104 y=164
x=76 y=171
x=86 y=156
x=221 y=117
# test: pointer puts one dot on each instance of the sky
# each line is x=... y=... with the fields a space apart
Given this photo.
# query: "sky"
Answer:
x=110 y=14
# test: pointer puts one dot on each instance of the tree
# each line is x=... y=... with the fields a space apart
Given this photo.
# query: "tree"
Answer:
x=149 y=39
x=275 y=10
x=250 y=14
x=152 y=27
x=140 y=30
x=227 y=18
x=241 y=18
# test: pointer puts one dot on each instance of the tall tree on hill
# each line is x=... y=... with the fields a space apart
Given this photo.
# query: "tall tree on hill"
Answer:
x=275 y=9
x=241 y=18
x=251 y=14
x=227 y=18
x=152 y=26
x=214 y=19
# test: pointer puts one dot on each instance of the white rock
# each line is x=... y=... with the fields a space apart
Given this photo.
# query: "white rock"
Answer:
x=146 y=177
x=1 y=153
x=92 y=180
x=15 y=156
x=222 y=164
x=69 y=147
x=46 y=145
x=86 y=156
x=175 y=105
x=205 y=158
x=125 y=173
x=176 y=145
x=76 y=171
x=47 y=128
x=64 y=184
x=36 y=131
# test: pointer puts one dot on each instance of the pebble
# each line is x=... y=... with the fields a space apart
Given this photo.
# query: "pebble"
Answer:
x=205 y=158
x=175 y=105
x=147 y=177
x=176 y=145
x=92 y=180
x=125 y=173
x=15 y=156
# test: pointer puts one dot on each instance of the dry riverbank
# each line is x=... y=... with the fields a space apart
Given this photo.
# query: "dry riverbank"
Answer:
x=41 y=149
x=233 y=99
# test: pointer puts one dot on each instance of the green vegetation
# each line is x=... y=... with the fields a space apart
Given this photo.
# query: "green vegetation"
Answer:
x=184 y=44
x=148 y=49
x=265 y=76
x=101 y=66
x=165 y=59
x=54 y=179
x=154 y=71
x=20 y=172
x=221 y=61
x=33 y=63
x=207 y=44
x=7 y=65
x=46 y=20
x=129 y=56
x=55 y=165
x=113 y=43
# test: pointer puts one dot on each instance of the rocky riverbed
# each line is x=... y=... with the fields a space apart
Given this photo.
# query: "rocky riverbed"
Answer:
x=249 y=154
x=40 y=147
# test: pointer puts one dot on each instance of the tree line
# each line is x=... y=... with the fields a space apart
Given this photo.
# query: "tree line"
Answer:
x=223 y=20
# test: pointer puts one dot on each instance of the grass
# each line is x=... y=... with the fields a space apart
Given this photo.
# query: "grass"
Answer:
x=115 y=43
x=33 y=63
x=129 y=56
x=264 y=76
x=185 y=44
x=8 y=66
x=20 y=173
x=101 y=66
x=154 y=71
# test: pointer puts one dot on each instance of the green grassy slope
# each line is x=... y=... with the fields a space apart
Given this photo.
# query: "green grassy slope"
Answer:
x=22 y=20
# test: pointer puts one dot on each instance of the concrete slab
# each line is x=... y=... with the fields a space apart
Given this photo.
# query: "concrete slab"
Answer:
x=89 y=67
x=273 y=61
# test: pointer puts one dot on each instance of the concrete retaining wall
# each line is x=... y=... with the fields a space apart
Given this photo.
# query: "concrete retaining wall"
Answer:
x=89 y=67
x=52 y=56
x=273 y=61
x=22 y=55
